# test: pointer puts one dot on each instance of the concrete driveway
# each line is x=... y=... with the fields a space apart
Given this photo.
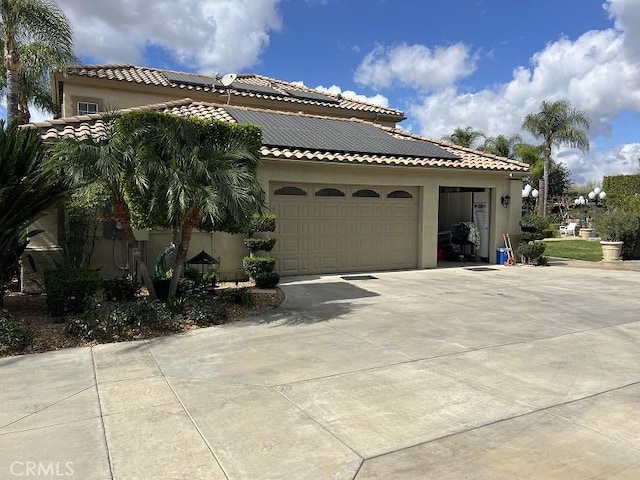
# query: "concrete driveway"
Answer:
x=509 y=373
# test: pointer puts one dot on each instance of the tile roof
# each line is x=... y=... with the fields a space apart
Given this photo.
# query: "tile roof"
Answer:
x=461 y=158
x=267 y=88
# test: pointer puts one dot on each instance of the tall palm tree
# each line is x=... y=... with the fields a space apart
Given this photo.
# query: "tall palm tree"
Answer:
x=557 y=123
x=503 y=146
x=39 y=31
x=465 y=137
x=200 y=173
x=29 y=184
x=111 y=160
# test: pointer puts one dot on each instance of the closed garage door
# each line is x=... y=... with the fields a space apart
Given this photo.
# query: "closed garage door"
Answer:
x=342 y=228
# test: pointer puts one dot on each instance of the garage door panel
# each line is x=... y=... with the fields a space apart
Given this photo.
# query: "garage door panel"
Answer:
x=338 y=234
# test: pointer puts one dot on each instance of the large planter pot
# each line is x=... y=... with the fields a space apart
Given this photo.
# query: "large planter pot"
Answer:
x=586 y=233
x=161 y=285
x=611 y=251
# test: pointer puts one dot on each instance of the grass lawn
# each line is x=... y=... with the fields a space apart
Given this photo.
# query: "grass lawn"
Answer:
x=575 y=249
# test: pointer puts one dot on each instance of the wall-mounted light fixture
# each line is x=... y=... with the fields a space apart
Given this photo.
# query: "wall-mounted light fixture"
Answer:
x=505 y=200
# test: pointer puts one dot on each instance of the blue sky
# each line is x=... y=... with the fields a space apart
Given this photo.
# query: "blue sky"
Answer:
x=446 y=63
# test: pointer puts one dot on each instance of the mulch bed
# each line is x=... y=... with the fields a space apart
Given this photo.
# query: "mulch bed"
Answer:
x=51 y=336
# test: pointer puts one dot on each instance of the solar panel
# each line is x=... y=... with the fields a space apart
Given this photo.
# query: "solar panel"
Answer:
x=250 y=87
x=191 y=79
x=315 y=96
x=316 y=133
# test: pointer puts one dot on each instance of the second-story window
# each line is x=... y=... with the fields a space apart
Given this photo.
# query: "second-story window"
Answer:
x=86 y=108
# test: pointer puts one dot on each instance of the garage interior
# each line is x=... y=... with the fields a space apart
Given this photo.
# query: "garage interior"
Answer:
x=463 y=224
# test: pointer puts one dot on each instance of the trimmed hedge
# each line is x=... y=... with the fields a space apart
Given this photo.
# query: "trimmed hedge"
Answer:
x=267 y=279
x=120 y=289
x=531 y=252
x=259 y=244
x=621 y=189
x=67 y=289
x=262 y=223
x=255 y=265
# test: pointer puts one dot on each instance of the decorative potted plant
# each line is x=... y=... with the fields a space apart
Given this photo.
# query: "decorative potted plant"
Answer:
x=614 y=225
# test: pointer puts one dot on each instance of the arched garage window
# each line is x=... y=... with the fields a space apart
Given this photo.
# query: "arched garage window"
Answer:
x=366 y=193
x=290 y=191
x=329 y=192
x=399 y=194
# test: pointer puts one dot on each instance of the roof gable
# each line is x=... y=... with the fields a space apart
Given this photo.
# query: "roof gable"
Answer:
x=245 y=85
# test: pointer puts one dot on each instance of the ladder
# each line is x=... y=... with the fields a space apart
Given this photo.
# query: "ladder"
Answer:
x=509 y=249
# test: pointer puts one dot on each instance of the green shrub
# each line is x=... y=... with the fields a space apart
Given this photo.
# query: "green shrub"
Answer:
x=15 y=332
x=531 y=252
x=67 y=289
x=267 y=279
x=111 y=321
x=192 y=274
x=241 y=296
x=120 y=289
x=533 y=227
x=616 y=224
x=623 y=191
x=96 y=322
x=262 y=223
x=255 y=265
x=259 y=244
x=204 y=312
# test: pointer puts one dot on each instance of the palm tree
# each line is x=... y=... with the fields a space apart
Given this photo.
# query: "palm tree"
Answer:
x=201 y=173
x=557 y=123
x=111 y=160
x=39 y=31
x=503 y=146
x=465 y=137
x=29 y=184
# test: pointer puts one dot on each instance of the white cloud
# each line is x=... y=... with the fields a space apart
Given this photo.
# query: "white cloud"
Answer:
x=376 y=99
x=207 y=35
x=416 y=66
x=599 y=72
x=622 y=159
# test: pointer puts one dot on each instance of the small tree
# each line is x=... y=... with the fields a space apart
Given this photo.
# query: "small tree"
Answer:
x=199 y=173
x=29 y=184
x=260 y=268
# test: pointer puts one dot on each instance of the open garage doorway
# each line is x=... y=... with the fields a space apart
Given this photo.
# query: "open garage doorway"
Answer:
x=463 y=225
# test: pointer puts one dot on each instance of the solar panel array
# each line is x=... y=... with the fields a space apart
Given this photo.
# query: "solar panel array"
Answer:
x=315 y=96
x=250 y=87
x=191 y=79
x=316 y=133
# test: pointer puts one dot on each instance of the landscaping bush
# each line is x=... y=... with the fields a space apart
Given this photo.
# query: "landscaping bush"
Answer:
x=618 y=225
x=68 y=288
x=259 y=244
x=241 y=296
x=15 y=332
x=262 y=223
x=531 y=252
x=267 y=279
x=534 y=227
x=255 y=265
x=120 y=289
x=104 y=320
x=204 y=312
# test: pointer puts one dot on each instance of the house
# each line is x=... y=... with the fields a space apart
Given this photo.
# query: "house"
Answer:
x=350 y=190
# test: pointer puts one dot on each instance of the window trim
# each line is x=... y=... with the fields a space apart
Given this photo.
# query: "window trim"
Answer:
x=87 y=103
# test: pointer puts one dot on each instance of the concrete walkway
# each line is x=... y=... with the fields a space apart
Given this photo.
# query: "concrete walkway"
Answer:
x=508 y=373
